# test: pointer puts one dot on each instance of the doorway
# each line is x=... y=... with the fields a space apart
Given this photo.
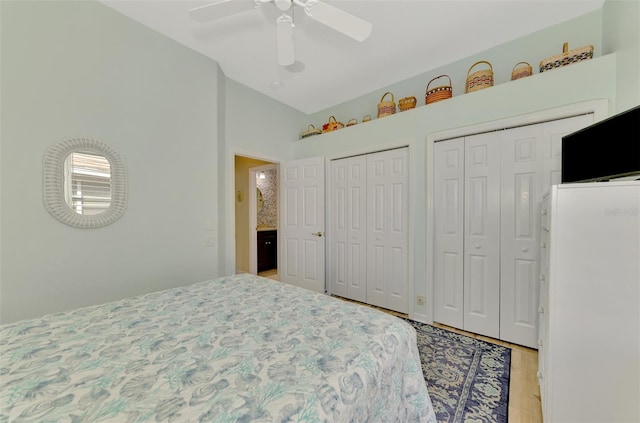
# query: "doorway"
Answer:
x=256 y=216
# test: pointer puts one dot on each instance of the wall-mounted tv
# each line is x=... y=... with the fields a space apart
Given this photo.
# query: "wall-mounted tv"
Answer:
x=606 y=150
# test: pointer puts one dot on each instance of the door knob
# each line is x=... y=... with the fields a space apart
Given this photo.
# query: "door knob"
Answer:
x=477 y=246
x=317 y=234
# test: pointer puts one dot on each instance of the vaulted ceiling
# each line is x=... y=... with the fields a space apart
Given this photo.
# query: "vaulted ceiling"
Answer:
x=409 y=37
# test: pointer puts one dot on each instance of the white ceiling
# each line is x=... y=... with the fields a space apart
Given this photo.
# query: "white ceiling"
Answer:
x=409 y=37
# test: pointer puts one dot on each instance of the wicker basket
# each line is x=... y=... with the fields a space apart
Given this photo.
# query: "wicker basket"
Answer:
x=366 y=118
x=311 y=131
x=479 y=79
x=567 y=57
x=521 y=70
x=442 y=92
x=332 y=125
x=352 y=121
x=385 y=107
x=406 y=103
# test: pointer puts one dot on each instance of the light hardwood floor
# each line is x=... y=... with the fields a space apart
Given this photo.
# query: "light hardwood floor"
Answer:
x=524 y=394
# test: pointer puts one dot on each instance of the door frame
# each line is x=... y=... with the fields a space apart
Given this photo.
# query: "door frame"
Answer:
x=253 y=213
x=599 y=108
x=227 y=260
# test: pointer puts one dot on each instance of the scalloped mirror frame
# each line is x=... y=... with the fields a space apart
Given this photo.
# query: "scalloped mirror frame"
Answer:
x=53 y=182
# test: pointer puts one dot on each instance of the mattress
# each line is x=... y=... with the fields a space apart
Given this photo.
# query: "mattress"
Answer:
x=235 y=349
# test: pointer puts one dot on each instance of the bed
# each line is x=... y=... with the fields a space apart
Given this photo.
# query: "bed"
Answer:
x=235 y=349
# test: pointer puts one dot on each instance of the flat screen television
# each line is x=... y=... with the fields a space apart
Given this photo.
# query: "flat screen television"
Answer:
x=606 y=150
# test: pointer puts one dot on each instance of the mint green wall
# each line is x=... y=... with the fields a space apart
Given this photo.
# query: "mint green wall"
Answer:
x=615 y=64
x=585 y=30
x=73 y=68
x=81 y=69
x=621 y=20
x=528 y=95
x=257 y=127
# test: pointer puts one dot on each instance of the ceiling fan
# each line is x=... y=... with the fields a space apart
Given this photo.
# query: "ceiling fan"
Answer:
x=324 y=13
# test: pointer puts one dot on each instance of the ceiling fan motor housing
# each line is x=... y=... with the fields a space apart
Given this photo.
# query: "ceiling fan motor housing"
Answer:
x=283 y=5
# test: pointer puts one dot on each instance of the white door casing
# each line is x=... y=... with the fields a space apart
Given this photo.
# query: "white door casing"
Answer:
x=302 y=220
x=449 y=232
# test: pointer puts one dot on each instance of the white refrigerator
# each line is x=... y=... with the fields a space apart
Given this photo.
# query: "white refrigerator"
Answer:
x=590 y=307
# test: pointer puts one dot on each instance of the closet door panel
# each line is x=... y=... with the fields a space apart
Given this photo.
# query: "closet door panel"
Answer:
x=397 y=236
x=348 y=251
x=387 y=215
x=357 y=229
x=339 y=215
x=521 y=191
x=552 y=133
x=531 y=163
x=376 y=254
x=449 y=232
x=482 y=234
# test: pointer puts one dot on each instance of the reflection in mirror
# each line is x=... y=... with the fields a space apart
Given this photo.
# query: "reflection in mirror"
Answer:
x=84 y=183
x=260 y=199
x=87 y=183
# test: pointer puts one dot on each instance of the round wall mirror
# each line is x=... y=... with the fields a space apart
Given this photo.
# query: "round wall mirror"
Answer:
x=84 y=183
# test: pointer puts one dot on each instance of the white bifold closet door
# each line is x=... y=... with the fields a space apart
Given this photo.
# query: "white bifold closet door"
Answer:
x=387 y=229
x=482 y=234
x=369 y=228
x=348 y=272
x=487 y=193
x=448 y=198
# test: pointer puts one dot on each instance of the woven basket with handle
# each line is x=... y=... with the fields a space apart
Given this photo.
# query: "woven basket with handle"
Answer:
x=352 y=121
x=521 y=70
x=441 y=92
x=567 y=57
x=332 y=125
x=366 y=118
x=311 y=131
x=386 y=107
x=406 y=103
x=479 y=79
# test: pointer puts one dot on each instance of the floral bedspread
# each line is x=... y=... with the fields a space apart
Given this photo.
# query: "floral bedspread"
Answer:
x=234 y=349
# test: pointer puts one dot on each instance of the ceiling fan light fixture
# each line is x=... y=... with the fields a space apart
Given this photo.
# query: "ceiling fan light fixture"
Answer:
x=337 y=19
x=283 y=5
x=284 y=32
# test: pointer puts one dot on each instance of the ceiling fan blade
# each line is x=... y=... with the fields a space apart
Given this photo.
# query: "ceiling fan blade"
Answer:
x=221 y=9
x=284 y=33
x=338 y=19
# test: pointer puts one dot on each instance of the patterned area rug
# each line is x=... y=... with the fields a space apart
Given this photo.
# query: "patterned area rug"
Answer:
x=467 y=378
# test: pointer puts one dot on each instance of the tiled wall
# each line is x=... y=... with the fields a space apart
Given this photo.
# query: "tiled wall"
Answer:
x=268 y=215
